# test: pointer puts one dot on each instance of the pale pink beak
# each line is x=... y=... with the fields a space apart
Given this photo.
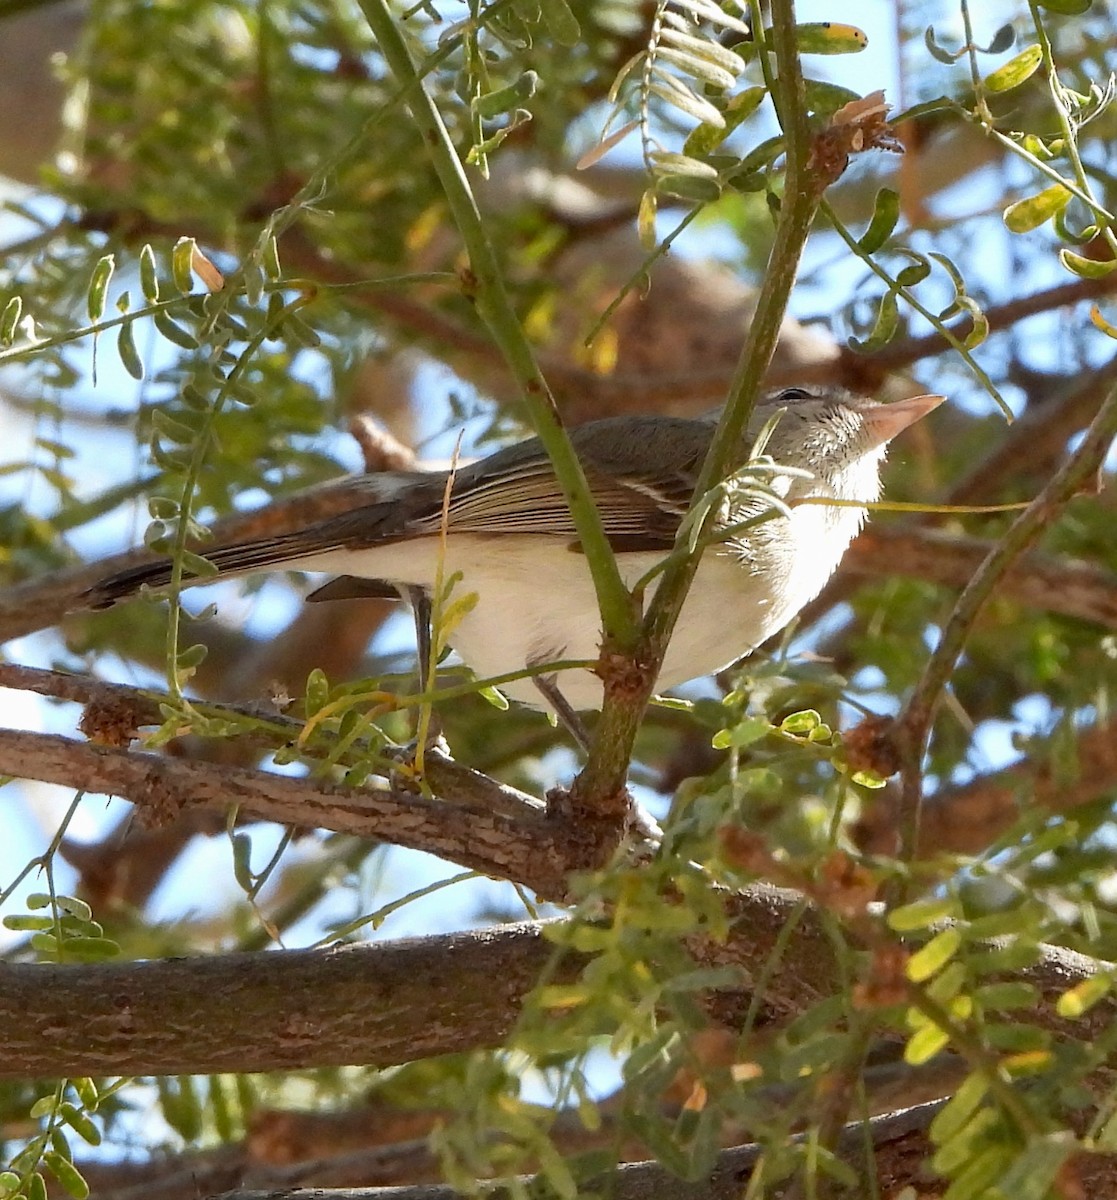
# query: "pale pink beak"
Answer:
x=884 y=421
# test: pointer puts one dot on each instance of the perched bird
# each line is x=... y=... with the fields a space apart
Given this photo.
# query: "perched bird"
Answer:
x=509 y=533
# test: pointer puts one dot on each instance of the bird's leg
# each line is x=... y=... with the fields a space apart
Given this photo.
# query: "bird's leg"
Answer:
x=568 y=718
x=421 y=609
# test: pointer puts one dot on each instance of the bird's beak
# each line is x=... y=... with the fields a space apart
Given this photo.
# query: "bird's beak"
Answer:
x=885 y=421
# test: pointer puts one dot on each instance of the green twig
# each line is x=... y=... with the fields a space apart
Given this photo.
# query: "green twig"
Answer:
x=913 y=727
x=1070 y=133
x=496 y=308
x=604 y=774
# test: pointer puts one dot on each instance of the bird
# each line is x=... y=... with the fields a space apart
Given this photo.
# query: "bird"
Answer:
x=500 y=529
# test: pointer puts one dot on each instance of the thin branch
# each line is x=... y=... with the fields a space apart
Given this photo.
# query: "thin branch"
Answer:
x=531 y=849
x=495 y=307
x=912 y=729
x=627 y=691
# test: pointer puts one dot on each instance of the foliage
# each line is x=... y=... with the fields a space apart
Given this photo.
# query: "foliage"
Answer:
x=248 y=220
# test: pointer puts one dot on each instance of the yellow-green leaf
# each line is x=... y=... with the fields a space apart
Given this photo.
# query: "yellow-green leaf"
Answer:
x=1083 y=996
x=1014 y=72
x=925 y=1044
x=1086 y=268
x=645 y=220
x=830 y=37
x=1101 y=323
x=1032 y=212
x=922 y=914
x=936 y=954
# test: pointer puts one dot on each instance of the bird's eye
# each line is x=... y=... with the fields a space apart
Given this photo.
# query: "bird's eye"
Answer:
x=794 y=393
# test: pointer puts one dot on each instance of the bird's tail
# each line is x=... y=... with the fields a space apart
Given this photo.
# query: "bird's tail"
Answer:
x=239 y=558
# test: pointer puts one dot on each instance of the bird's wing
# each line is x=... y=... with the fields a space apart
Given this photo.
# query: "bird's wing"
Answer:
x=516 y=491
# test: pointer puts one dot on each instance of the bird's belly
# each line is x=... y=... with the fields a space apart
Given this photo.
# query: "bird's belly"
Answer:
x=536 y=604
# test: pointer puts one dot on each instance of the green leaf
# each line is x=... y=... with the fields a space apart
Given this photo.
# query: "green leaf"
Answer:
x=504 y=99
x=90 y=949
x=923 y=1045
x=999 y=997
x=1016 y=71
x=561 y=22
x=182 y=258
x=645 y=220
x=708 y=10
x=126 y=348
x=1066 y=8
x=174 y=332
x=884 y=329
x=80 y=1123
x=99 y=286
x=1079 y=999
x=744 y=733
x=75 y=907
x=25 y=923
x=825 y=98
x=1033 y=211
x=494 y=696
x=726 y=61
x=940 y=53
x=149 y=277
x=697 y=67
x=886 y=212
x=9 y=320
x=922 y=914
x=317 y=691
x=67 y=1174
x=1032 y=1174
x=830 y=37
x=192 y=656
x=958 y=1112
x=1086 y=268
x=242 y=861
x=914 y=273
x=934 y=955
x=706 y=138
x=801 y=722
x=1099 y=322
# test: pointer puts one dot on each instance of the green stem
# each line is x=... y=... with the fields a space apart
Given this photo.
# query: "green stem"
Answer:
x=1070 y=133
x=914 y=303
x=604 y=774
x=495 y=307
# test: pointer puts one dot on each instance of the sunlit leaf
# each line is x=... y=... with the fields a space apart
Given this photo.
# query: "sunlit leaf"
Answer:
x=830 y=37
x=1066 y=8
x=99 y=286
x=934 y=955
x=1016 y=71
x=1033 y=211
x=1086 y=268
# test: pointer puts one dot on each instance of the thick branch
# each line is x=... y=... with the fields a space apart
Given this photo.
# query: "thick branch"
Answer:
x=375 y=1004
x=535 y=849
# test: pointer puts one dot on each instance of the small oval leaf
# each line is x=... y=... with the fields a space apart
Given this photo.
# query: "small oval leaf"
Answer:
x=1015 y=71
x=886 y=212
x=830 y=37
x=1034 y=211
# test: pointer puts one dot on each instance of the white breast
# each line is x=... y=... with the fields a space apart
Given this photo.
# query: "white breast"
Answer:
x=536 y=602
